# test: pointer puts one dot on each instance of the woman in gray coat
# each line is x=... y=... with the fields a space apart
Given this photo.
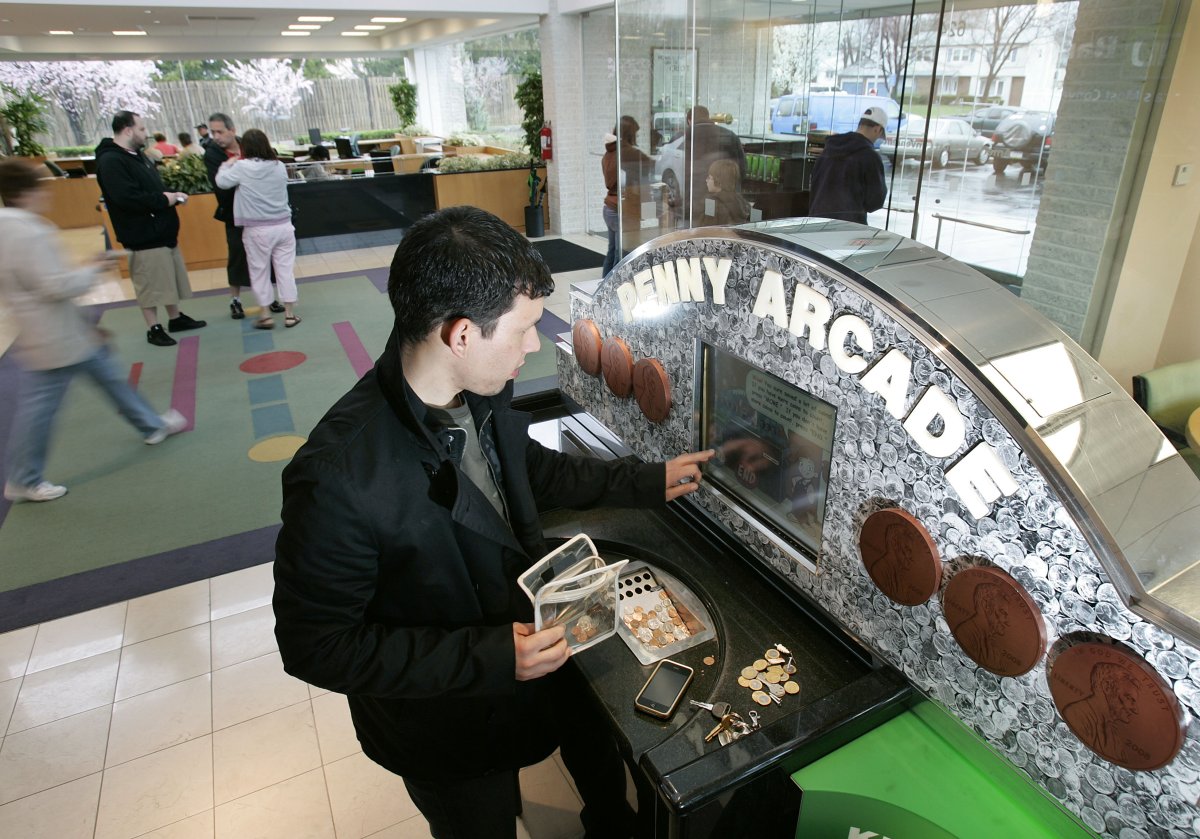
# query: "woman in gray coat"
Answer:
x=54 y=341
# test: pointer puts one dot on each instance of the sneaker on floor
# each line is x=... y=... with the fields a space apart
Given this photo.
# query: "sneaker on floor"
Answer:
x=276 y=306
x=184 y=323
x=158 y=336
x=235 y=309
x=173 y=423
x=45 y=491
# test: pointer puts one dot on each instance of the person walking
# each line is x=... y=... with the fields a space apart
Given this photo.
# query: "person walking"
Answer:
x=55 y=341
x=261 y=210
x=145 y=221
x=224 y=144
x=848 y=180
x=625 y=169
x=704 y=143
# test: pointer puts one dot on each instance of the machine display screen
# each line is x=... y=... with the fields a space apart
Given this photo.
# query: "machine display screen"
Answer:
x=773 y=443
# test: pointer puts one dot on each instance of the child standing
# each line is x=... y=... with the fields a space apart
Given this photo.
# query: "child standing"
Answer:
x=260 y=208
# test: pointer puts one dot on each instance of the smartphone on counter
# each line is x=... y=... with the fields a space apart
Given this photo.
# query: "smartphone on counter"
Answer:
x=661 y=694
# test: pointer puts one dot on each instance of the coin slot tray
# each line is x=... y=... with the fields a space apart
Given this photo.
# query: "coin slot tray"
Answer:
x=658 y=615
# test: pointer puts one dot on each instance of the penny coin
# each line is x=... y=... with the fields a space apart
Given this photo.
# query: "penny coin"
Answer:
x=760 y=665
x=743 y=681
x=995 y=621
x=749 y=673
x=585 y=343
x=652 y=389
x=616 y=362
x=709 y=660
x=760 y=697
x=756 y=684
x=900 y=557
x=791 y=687
x=1117 y=705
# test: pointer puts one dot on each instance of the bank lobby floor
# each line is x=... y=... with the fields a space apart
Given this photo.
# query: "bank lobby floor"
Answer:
x=170 y=716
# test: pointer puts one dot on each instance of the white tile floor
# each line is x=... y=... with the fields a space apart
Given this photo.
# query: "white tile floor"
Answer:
x=170 y=716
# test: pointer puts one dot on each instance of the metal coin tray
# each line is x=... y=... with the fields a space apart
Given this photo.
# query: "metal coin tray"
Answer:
x=658 y=615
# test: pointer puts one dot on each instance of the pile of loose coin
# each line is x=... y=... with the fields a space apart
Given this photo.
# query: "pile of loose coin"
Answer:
x=657 y=628
x=770 y=678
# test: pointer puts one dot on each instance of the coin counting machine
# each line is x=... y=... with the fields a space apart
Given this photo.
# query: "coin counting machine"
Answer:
x=922 y=489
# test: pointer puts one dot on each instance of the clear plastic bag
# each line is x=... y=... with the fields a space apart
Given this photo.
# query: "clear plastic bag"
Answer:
x=573 y=586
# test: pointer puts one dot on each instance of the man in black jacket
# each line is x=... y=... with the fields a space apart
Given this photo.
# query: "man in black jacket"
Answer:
x=408 y=516
x=705 y=143
x=144 y=218
x=847 y=179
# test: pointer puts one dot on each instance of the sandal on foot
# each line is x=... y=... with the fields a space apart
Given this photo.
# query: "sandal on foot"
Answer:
x=290 y=321
x=264 y=323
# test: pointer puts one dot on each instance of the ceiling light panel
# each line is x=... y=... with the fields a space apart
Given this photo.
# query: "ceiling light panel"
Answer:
x=314 y=19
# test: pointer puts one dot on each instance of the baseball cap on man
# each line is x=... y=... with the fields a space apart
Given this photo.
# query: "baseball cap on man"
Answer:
x=876 y=115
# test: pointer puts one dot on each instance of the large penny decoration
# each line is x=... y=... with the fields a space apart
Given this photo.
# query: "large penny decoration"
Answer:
x=995 y=621
x=900 y=556
x=585 y=343
x=616 y=362
x=652 y=389
x=1117 y=705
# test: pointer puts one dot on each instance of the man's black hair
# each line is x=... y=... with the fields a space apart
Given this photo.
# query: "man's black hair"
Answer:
x=222 y=118
x=123 y=120
x=461 y=262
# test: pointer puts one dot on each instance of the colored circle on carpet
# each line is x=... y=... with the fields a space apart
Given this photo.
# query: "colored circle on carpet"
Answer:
x=273 y=362
x=274 y=449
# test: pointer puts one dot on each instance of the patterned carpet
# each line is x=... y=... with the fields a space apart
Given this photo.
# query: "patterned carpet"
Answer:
x=139 y=519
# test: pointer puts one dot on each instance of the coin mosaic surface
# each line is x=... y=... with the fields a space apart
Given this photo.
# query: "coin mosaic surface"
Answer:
x=585 y=343
x=1117 y=705
x=995 y=621
x=900 y=557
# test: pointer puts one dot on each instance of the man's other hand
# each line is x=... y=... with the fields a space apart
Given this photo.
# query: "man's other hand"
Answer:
x=539 y=653
x=683 y=473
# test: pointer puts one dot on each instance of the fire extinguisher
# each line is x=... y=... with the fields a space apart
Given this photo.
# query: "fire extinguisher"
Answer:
x=547 y=142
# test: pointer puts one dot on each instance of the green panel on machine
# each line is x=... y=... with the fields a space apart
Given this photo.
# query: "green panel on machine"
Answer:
x=922 y=776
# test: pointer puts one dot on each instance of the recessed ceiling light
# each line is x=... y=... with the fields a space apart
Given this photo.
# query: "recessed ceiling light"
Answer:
x=304 y=26
x=369 y=27
x=294 y=34
x=356 y=34
x=388 y=19
x=128 y=32
x=61 y=32
x=313 y=19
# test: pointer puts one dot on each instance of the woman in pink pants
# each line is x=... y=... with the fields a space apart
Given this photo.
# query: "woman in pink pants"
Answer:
x=260 y=208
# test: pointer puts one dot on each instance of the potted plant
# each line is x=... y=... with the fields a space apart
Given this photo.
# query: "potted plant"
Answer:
x=185 y=174
x=535 y=225
x=404 y=100
x=25 y=115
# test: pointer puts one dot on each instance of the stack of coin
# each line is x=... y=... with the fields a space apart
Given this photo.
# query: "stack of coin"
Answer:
x=584 y=629
x=770 y=676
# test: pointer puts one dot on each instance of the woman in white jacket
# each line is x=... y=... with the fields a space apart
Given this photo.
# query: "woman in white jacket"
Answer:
x=260 y=208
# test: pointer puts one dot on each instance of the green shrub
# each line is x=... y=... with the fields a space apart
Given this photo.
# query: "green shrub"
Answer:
x=73 y=151
x=185 y=174
x=25 y=114
x=471 y=163
x=462 y=138
x=529 y=98
x=404 y=100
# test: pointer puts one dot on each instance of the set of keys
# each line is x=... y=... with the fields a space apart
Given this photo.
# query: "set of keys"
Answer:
x=730 y=725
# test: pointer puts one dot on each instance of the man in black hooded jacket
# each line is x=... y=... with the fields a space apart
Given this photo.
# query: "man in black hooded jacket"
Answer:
x=848 y=180
x=409 y=514
x=145 y=221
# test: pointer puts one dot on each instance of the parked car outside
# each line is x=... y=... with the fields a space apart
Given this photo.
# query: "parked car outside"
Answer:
x=1025 y=139
x=829 y=112
x=947 y=139
x=986 y=119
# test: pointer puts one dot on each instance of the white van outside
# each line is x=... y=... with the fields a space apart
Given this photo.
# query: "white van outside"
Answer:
x=830 y=113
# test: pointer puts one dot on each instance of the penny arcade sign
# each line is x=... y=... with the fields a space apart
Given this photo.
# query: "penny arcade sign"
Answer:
x=892 y=442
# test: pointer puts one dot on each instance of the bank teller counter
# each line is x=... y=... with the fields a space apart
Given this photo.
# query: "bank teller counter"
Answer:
x=917 y=476
x=359 y=204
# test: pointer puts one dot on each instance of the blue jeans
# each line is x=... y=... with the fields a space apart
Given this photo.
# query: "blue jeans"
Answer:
x=40 y=394
x=611 y=221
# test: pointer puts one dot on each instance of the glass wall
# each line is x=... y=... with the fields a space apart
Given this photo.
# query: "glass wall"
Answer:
x=736 y=101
